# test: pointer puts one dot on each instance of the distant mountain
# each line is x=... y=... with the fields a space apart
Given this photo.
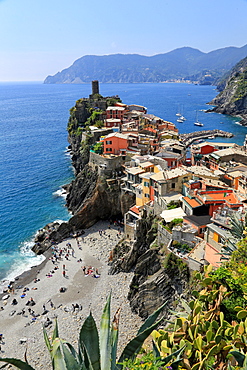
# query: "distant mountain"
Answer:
x=232 y=99
x=183 y=63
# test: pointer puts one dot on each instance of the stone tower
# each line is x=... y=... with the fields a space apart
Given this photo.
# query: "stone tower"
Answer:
x=95 y=87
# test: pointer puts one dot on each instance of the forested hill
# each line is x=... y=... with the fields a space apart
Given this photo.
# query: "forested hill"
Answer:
x=232 y=99
x=183 y=63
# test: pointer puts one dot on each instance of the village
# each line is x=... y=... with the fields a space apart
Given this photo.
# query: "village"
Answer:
x=195 y=188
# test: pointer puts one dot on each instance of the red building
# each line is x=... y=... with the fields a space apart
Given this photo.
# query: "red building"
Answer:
x=118 y=144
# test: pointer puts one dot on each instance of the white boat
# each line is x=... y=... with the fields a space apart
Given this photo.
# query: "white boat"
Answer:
x=178 y=113
x=183 y=118
x=198 y=123
x=180 y=120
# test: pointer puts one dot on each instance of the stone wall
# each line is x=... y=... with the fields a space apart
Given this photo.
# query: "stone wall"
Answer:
x=105 y=163
x=164 y=237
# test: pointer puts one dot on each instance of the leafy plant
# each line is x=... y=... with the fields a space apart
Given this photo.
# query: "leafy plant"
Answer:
x=96 y=350
x=203 y=328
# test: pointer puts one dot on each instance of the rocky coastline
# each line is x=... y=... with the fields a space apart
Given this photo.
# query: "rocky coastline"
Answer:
x=232 y=98
x=91 y=198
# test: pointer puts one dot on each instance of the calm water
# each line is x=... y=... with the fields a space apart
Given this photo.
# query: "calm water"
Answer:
x=33 y=159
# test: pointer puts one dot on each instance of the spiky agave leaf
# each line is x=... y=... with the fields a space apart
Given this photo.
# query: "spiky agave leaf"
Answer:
x=134 y=346
x=62 y=357
x=47 y=341
x=151 y=319
x=114 y=338
x=55 y=331
x=105 y=336
x=174 y=365
x=89 y=350
x=17 y=363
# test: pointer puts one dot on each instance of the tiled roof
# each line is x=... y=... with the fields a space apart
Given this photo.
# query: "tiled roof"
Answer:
x=135 y=209
x=192 y=202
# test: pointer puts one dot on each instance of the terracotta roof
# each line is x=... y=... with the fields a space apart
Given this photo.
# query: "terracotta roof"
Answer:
x=220 y=196
x=192 y=202
x=135 y=209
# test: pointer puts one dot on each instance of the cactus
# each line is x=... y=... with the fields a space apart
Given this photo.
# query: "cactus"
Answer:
x=207 y=336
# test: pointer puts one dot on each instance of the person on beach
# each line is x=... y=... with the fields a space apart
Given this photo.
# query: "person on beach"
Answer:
x=63 y=273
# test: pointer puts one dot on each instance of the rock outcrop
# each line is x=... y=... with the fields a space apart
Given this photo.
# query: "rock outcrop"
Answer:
x=232 y=100
x=101 y=201
x=90 y=197
x=158 y=277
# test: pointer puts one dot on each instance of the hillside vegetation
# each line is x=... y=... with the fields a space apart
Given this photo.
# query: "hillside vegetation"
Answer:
x=232 y=99
x=183 y=63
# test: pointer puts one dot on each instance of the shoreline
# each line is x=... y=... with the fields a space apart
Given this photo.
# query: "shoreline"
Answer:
x=89 y=293
x=27 y=276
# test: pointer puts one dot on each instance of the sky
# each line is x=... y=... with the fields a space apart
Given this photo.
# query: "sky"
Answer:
x=42 y=37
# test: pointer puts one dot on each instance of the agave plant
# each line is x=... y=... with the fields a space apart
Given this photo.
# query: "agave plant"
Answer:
x=96 y=350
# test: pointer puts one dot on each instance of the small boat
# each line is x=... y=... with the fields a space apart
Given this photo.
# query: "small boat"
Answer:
x=198 y=123
x=178 y=113
x=180 y=120
x=183 y=118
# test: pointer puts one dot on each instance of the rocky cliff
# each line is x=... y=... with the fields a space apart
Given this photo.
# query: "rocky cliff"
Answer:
x=90 y=197
x=232 y=100
x=158 y=276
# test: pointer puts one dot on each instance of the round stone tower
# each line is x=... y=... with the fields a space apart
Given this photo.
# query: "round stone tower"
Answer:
x=95 y=87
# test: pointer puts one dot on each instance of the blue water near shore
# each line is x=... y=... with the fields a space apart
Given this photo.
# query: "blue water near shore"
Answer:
x=34 y=163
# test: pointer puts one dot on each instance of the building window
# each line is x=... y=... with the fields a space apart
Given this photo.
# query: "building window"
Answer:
x=146 y=195
x=146 y=183
x=109 y=149
x=108 y=142
x=173 y=185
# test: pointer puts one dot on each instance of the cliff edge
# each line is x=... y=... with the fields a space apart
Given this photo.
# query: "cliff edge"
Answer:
x=232 y=100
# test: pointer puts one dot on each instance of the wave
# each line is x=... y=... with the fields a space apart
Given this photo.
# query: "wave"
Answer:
x=24 y=261
x=61 y=192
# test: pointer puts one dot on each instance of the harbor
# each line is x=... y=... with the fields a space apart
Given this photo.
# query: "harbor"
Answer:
x=189 y=138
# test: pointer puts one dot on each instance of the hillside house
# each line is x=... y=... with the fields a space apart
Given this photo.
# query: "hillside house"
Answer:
x=220 y=159
x=118 y=144
x=205 y=202
x=204 y=148
x=115 y=112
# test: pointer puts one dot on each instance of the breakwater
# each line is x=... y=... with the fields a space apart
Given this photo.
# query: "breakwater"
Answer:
x=189 y=138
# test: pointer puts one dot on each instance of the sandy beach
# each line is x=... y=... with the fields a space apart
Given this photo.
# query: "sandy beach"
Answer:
x=21 y=323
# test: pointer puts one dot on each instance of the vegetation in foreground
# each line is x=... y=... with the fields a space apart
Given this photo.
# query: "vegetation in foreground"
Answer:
x=98 y=350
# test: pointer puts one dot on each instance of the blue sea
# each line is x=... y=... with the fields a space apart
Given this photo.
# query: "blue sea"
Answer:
x=34 y=162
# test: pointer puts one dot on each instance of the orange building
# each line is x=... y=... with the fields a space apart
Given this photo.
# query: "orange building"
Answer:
x=118 y=144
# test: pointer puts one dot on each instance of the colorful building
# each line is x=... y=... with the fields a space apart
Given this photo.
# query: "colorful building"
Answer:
x=118 y=144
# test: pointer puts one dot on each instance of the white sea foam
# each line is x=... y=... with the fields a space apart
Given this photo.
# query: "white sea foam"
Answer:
x=25 y=260
x=60 y=193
